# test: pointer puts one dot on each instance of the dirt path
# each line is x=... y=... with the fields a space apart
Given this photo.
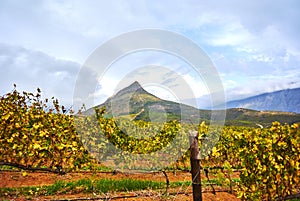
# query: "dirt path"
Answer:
x=16 y=179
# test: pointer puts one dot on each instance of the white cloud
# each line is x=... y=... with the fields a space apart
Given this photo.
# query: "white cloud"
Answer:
x=258 y=85
x=247 y=40
x=197 y=85
x=162 y=92
x=31 y=70
x=231 y=34
x=106 y=88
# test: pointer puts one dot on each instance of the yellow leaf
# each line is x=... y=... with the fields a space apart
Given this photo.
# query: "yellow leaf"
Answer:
x=17 y=125
x=10 y=139
x=227 y=165
x=22 y=161
x=42 y=133
x=60 y=147
x=264 y=168
x=215 y=152
x=36 y=146
x=227 y=181
x=24 y=173
x=278 y=177
x=35 y=126
x=292 y=162
x=6 y=117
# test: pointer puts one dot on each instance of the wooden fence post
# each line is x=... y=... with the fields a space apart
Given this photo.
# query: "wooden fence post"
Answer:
x=195 y=166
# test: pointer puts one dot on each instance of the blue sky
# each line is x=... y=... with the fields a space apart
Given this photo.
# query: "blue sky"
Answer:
x=254 y=45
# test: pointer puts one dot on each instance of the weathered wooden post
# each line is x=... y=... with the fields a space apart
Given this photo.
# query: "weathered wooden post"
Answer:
x=195 y=166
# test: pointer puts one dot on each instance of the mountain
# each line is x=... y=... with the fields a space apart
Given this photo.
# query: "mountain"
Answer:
x=287 y=100
x=135 y=103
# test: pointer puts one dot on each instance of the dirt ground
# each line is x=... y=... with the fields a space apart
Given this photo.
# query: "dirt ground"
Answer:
x=16 y=179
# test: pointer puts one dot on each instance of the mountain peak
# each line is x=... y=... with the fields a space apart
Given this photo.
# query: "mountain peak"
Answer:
x=134 y=87
x=135 y=103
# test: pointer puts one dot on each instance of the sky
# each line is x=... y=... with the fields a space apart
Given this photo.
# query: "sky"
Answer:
x=254 y=45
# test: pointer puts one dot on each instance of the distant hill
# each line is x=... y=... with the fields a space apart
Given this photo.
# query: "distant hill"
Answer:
x=135 y=103
x=287 y=100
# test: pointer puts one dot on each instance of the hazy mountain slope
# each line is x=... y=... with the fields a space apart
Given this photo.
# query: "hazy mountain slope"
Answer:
x=285 y=100
x=137 y=104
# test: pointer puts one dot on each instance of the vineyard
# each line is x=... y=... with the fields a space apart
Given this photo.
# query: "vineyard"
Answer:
x=38 y=136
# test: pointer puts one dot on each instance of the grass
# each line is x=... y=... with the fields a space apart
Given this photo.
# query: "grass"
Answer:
x=84 y=186
x=7 y=167
x=92 y=186
x=99 y=186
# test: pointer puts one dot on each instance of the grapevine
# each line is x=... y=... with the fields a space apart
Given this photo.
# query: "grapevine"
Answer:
x=39 y=134
x=33 y=134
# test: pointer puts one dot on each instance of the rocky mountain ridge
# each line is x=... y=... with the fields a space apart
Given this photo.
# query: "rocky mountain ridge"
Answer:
x=136 y=103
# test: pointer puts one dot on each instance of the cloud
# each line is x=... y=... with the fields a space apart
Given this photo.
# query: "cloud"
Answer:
x=32 y=69
x=249 y=42
x=259 y=85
